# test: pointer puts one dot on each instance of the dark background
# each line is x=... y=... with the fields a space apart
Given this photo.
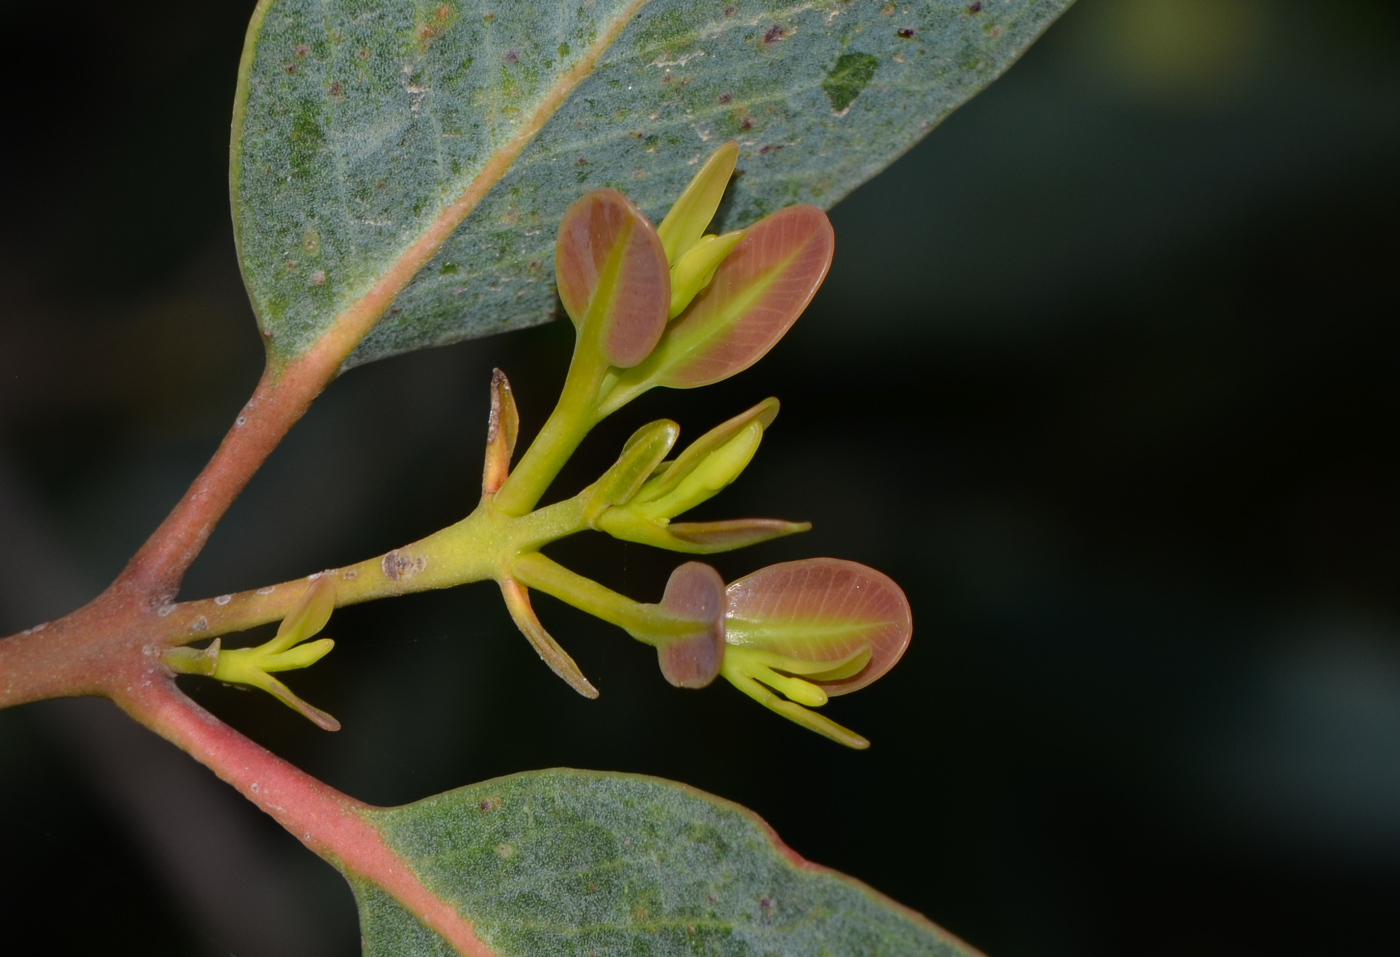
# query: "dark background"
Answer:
x=1102 y=375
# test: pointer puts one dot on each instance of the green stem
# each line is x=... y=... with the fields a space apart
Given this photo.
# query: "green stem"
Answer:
x=573 y=417
x=646 y=623
x=475 y=549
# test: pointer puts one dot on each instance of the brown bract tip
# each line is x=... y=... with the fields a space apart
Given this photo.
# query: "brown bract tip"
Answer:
x=501 y=431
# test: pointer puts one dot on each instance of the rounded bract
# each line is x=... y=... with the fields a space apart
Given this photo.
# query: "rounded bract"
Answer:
x=612 y=271
x=821 y=609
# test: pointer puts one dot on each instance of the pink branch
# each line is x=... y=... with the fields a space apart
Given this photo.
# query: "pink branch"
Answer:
x=328 y=822
x=282 y=397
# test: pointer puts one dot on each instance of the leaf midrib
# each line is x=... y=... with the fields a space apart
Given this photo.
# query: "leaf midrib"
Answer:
x=352 y=324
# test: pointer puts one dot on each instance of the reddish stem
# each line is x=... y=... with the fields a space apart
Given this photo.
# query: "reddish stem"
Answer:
x=332 y=824
x=282 y=397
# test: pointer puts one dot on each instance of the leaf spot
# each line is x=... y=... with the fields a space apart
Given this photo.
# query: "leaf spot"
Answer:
x=846 y=79
x=505 y=852
x=398 y=566
x=773 y=34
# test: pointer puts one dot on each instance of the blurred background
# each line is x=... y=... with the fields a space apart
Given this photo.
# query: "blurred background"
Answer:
x=1102 y=376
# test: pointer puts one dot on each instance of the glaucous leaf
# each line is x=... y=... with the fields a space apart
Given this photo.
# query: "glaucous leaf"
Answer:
x=822 y=610
x=575 y=863
x=412 y=159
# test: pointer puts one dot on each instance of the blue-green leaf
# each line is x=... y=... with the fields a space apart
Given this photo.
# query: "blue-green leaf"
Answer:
x=412 y=158
x=568 y=862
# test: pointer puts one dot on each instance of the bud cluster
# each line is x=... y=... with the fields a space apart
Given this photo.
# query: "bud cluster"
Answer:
x=676 y=307
x=651 y=306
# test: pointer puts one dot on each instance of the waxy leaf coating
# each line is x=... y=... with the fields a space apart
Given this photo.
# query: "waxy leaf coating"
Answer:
x=821 y=609
x=613 y=277
x=566 y=863
x=410 y=159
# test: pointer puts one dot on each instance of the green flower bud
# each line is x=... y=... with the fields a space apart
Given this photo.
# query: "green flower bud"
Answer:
x=253 y=667
x=697 y=267
x=705 y=479
x=695 y=207
x=810 y=630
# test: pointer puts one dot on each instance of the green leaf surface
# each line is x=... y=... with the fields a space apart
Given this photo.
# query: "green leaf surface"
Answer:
x=361 y=125
x=581 y=863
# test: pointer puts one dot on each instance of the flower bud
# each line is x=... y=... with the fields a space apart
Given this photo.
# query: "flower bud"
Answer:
x=285 y=652
x=696 y=538
x=697 y=267
x=706 y=478
x=640 y=457
x=695 y=207
x=809 y=630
